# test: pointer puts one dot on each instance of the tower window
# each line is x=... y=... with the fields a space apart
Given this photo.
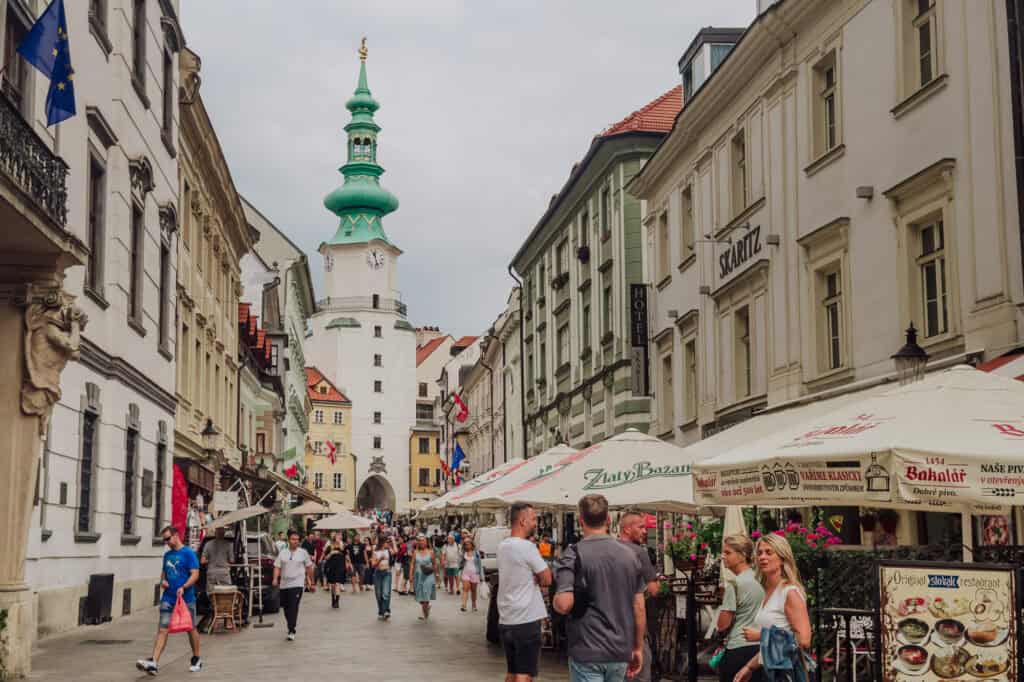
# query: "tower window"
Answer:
x=378 y=331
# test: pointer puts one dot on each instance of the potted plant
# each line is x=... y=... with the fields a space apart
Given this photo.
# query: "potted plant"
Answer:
x=687 y=550
x=889 y=519
x=868 y=520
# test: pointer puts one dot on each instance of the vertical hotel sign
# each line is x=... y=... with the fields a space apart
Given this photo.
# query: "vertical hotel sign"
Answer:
x=638 y=337
x=944 y=621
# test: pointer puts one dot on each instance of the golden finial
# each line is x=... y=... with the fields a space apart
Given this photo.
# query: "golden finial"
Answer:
x=363 y=51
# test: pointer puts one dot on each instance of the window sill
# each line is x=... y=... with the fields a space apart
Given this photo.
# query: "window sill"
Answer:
x=541 y=326
x=136 y=325
x=689 y=423
x=130 y=539
x=45 y=534
x=140 y=90
x=96 y=297
x=607 y=338
x=605 y=266
x=165 y=137
x=562 y=370
x=825 y=160
x=99 y=32
x=665 y=281
x=921 y=95
x=165 y=352
x=585 y=353
x=829 y=379
x=605 y=236
x=561 y=307
x=687 y=262
x=667 y=435
x=584 y=285
x=88 y=537
x=541 y=301
x=740 y=218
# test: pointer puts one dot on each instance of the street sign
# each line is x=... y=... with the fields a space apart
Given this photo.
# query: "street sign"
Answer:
x=225 y=501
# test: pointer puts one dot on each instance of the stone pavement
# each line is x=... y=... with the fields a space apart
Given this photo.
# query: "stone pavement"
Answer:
x=349 y=643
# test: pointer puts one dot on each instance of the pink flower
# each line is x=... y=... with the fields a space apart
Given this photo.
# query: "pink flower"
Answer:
x=703 y=545
x=667 y=524
x=779 y=533
x=811 y=537
x=676 y=537
x=833 y=541
x=689 y=526
x=804 y=531
x=755 y=534
x=693 y=557
x=812 y=545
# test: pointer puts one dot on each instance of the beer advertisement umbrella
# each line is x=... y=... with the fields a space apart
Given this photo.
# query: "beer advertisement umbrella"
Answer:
x=457 y=494
x=508 y=477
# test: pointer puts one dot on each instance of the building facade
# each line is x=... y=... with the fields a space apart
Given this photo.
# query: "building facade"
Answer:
x=214 y=236
x=816 y=197
x=361 y=339
x=578 y=266
x=463 y=354
x=433 y=348
x=104 y=475
x=330 y=473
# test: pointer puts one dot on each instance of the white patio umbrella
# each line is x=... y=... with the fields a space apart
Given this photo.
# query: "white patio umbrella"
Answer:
x=234 y=517
x=460 y=493
x=311 y=507
x=510 y=477
x=631 y=469
x=344 y=521
x=950 y=441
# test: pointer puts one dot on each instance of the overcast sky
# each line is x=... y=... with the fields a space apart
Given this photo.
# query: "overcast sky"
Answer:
x=485 y=106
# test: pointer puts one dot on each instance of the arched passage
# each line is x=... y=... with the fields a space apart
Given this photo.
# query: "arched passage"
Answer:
x=376 y=493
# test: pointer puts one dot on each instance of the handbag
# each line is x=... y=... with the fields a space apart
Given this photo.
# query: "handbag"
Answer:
x=181 y=617
x=427 y=570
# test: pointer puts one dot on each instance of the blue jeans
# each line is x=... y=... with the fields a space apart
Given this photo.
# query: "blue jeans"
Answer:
x=382 y=590
x=596 y=672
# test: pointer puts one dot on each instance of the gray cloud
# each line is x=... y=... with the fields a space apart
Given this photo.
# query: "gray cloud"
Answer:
x=485 y=106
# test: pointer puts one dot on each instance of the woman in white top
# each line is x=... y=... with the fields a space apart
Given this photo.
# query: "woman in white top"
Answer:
x=380 y=562
x=785 y=603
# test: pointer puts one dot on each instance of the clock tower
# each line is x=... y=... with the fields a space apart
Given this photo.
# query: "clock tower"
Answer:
x=361 y=339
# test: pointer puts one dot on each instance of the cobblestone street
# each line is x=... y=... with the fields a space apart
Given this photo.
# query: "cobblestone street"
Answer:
x=346 y=644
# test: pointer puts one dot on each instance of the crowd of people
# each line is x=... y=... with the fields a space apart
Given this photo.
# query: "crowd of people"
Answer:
x=598 y=584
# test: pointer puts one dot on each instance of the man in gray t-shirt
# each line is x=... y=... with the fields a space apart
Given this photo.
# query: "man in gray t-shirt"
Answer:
x=633 y=534
x=599 y=582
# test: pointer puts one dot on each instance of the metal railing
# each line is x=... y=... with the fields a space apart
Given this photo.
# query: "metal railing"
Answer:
x=348 y=303
x=31 y=166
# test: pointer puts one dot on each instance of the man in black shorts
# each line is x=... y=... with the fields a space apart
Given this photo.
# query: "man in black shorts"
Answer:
x=522 y=573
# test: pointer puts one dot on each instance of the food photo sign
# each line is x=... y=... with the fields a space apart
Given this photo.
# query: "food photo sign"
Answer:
x=944 y=621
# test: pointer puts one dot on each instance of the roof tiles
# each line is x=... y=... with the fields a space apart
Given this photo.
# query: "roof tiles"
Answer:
x=657 y=116
x=314 y=379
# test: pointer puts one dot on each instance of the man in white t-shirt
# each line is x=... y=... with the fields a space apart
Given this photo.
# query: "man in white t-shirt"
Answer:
x=293 y=570
x=522 y=572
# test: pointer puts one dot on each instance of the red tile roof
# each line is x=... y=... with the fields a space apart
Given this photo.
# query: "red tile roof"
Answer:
x=465 y=342
x=313 y=380
x=424 y=351
x=657 y=116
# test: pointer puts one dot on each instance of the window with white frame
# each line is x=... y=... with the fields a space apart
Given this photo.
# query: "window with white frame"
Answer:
x=378 y=386
x=339 y=481
x=378 y=360
x=826 y=104
x=606 y=309
x=318 y=480
x=318 y=447
x=738 y=160
x=338 y=417
x=742 y=352
x=376 y=417
x=664 y=261
x=562 y=338
x=585 y=228
x=665 y=394
x=377 y=443
x=562 y=256
x=925 y=43
x=934 y=283
x=606 y=209
x=690 y=380
x=424 y=477
x=919 y=46
x=318 y=416
x=831 y=316
x=687 y=235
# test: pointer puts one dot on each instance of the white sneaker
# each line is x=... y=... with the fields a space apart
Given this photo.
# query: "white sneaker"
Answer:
x=291 y=636
x=147 y=666
x=197 y=664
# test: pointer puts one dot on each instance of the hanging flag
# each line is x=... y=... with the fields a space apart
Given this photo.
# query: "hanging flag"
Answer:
x=332 y=451
x=444 y=467
x=457 y=458
x=463 y=410
x=292 y=471
x=46 y=47
x=457 y=478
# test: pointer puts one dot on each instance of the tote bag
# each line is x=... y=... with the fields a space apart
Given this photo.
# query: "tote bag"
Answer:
x=181 y=617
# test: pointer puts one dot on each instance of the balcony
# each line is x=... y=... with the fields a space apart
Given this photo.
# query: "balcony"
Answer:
x=33 y=193
x=355 y=303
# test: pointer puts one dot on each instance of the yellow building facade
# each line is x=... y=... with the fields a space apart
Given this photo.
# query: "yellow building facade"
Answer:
x=424 y=463
x=330 y=423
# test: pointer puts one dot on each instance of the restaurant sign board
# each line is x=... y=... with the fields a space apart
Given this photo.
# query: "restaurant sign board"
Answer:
x=948 y=621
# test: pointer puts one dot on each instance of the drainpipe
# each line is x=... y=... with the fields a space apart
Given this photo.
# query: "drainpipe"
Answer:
x=490 y=393
x=504 y=408
x=1014 y=18
x=522 y=360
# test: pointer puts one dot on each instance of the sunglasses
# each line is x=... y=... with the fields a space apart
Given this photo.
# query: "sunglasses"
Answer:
x=167 y=538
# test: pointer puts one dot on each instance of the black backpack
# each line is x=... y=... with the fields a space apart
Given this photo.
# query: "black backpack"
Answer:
x=580 y=589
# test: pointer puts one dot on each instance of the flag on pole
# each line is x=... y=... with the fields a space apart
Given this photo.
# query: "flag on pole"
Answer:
x=463 y=410
x=292 y=472
x=458 y=458
x=47 y=48
x=332 y=451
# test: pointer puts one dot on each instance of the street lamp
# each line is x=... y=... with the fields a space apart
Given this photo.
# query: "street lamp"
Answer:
x=210 y=440
x=911 y=359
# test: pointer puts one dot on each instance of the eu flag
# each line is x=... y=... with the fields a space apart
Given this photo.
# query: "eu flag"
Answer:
x=46 y=47
x=458 y=457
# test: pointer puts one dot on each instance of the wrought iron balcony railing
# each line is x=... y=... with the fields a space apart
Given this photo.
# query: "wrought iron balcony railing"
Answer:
x=31 y=166
x=348 y=303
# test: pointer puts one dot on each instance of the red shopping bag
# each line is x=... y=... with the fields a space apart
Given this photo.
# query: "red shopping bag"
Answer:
x=181 y=617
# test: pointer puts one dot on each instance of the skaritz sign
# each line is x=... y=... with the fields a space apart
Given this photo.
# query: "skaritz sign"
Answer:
x=739 y=252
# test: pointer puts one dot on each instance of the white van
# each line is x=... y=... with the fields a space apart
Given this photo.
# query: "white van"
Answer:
x=487 y=540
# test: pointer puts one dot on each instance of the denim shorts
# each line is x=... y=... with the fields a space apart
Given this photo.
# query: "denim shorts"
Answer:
x=597 y=672
x=166 y=610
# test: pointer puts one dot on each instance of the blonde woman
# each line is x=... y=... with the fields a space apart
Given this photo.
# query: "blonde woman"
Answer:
x=740 y=604
x=423 y=572
x=785 y=602
x=471 y=570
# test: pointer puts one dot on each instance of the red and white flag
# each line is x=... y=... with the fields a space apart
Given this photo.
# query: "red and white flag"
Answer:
x=463 y=414
x=332 y=451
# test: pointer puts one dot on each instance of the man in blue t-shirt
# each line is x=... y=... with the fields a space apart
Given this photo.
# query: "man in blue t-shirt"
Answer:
x=178 y=578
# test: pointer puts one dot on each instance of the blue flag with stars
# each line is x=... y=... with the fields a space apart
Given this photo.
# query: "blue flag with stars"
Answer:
x=46 y=47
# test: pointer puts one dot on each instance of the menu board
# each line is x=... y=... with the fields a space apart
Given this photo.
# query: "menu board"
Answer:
x=948 y=622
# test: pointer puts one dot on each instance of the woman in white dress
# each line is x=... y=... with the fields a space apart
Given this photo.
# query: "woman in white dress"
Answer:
x=785 y=601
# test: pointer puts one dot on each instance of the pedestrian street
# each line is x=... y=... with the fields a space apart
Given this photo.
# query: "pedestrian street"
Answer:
x=349 y=643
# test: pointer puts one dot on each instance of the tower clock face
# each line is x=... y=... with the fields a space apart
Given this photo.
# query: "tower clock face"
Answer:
x=375 y=259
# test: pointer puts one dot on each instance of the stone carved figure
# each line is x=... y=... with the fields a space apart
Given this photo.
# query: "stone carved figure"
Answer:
x=53 y=329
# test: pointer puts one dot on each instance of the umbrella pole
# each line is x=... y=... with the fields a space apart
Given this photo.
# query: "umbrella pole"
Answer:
x=259 y=581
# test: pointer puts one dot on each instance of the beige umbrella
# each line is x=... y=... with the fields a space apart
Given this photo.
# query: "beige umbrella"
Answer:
x=234 y=517
x=459 y=495
x=344 y=521
x=733 y=525
x=311 y=507
x=509 y=477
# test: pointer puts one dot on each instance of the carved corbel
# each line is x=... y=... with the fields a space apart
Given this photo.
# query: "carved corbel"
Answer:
x=140 y=171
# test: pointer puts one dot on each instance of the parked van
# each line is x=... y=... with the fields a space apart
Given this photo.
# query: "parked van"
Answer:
x=487 y=540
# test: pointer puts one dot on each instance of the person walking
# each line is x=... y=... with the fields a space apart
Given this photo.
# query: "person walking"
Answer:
x=293 y=569
x=335 y=570
x=784 y=607
x=633 y=533
x=740 y=603
x=280 y=543
x=357 y=559
x=600 y=583
x=522 y=574
x=380 y=561
x=401 y=564
x=424 y=568
x=368 y=545
x=471 y=569
x=178 y=577
x=451 y=557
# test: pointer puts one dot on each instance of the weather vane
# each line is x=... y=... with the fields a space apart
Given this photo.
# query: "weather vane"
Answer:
x=363 y=51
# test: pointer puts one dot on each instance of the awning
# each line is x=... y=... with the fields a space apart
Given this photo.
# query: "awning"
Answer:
x=197 y=474
x=1010 y=366
x=286 y=485
x=234 y=517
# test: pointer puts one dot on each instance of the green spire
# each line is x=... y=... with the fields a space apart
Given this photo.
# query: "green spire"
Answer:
x=361 y=202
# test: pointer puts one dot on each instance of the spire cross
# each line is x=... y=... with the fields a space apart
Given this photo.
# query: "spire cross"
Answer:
x=363 y=52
